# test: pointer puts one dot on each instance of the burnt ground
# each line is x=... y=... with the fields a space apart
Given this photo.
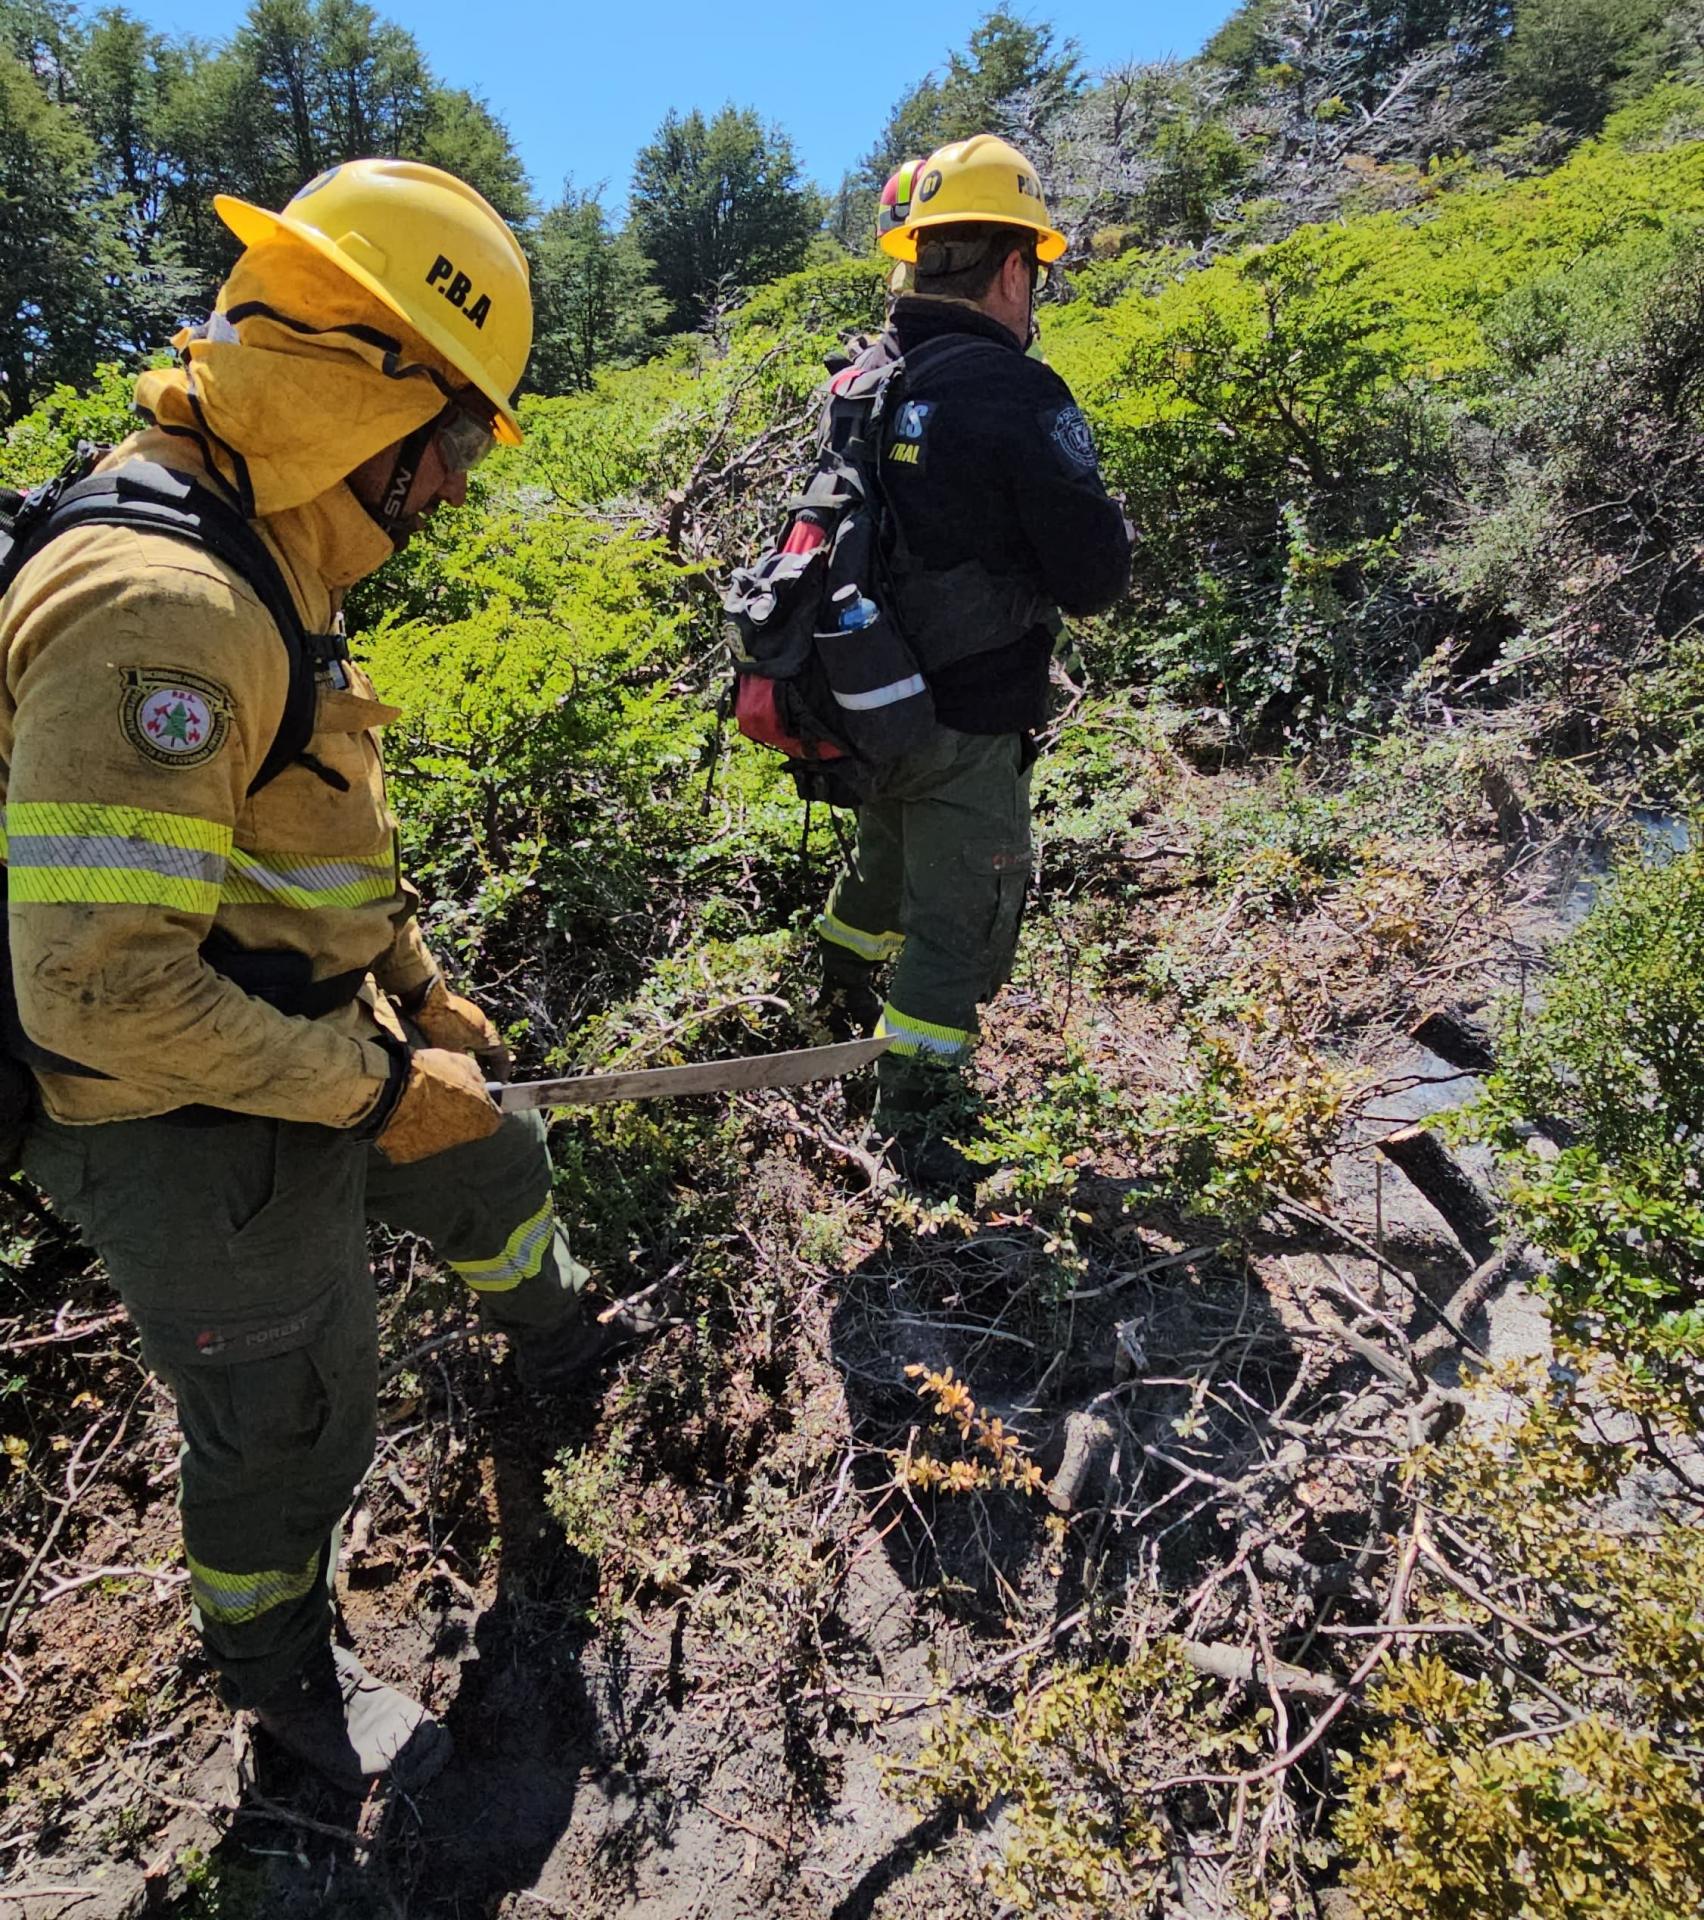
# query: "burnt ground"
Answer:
x=690 y=1632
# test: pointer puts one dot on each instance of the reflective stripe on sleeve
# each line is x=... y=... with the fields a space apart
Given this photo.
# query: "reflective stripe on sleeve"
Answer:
x=521 y=1258
x=81 y=853
x=873 y=947
x=888 y=696
x=232 y=1598
x=308 y=881
x=923 y=1036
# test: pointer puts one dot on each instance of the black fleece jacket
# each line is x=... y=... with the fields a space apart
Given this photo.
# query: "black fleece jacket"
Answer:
x=989 y=458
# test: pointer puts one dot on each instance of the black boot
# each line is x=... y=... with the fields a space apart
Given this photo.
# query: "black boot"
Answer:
x=551 y=1359
x=847 y=1003
x=932 y=1166
x=352 y=1729
x=923 y=1106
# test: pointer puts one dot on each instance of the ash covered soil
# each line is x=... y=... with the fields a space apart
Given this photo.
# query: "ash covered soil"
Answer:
x=691 y=1630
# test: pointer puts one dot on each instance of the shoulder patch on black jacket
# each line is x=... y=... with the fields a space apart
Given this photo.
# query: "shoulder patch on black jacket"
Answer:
x=1068 y=433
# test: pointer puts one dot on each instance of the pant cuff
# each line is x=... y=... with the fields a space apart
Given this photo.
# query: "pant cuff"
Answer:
x=913 y=1037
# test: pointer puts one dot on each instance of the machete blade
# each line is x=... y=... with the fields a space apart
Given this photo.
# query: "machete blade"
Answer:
x=705 y=1076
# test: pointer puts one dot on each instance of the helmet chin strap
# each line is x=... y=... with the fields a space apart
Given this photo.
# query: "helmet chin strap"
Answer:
x=404 y=470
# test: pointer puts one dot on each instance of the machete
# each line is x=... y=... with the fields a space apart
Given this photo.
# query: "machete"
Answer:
x=706 y=1076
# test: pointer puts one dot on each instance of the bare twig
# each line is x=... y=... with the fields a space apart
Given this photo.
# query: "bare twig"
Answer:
x=83 y=1330
x=1421 y=1297
x=1245 y=1668
x=74 y=1491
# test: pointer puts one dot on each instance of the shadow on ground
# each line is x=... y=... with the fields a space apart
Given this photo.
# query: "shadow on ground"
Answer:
x=505 y=1676
x=1126 y=1341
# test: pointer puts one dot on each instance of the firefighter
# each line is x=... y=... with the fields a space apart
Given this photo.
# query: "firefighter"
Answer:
x=893 y=210
x=243 y=1047
x=991 y=473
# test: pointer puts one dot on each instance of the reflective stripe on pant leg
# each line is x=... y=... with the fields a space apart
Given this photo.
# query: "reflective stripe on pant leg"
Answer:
x=485 y=1208
x=231 y=1599
x=268 y=1339
x=860 y=919
x=522 y=1256
x=913 y=1036
x=870 y=947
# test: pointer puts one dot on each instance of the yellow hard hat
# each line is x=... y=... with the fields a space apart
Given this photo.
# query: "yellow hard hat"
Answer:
x=982 y=178
x=436 y=253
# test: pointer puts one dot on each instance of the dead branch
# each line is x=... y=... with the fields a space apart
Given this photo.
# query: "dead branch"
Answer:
x=1422 y=1298
x=74 y=1491
x=1242 y=1667
x=60 y=1337
x=1435 y=1174
x=454 y=1338
x=1393 y=1624
x=1088 y=1444
x=1511 y=1260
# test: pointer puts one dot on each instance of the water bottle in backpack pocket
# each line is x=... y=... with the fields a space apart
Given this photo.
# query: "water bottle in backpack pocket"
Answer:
x=883 y=707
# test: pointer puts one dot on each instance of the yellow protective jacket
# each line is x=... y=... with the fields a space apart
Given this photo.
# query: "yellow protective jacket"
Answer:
x=143 y=685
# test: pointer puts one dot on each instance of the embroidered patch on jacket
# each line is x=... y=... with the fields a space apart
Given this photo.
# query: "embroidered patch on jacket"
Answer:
x=1071 y=439
x=911 y=433
x=174 y=719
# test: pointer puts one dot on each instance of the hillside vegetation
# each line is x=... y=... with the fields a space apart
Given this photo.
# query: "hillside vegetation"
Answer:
x=1202 y=1522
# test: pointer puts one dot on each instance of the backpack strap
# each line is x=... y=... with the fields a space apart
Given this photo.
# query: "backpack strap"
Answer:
x=149 y=498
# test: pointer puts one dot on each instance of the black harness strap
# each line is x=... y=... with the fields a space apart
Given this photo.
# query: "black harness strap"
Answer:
x=149 y=498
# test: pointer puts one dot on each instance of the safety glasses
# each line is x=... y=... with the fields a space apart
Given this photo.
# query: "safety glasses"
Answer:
x=464 y=437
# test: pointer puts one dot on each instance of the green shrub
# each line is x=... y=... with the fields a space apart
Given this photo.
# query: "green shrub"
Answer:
x=39 y=444
x=1069 y=1764
x=1447 y=1820
x=1616 y=1051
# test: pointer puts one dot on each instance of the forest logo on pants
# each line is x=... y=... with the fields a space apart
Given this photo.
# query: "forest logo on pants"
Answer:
x=174 y=719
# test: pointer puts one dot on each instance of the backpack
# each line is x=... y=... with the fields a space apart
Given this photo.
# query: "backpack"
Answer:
x=824 y=669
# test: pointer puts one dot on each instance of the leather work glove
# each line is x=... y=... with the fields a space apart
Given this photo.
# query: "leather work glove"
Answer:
x=442 y=1103
x=446 y=1020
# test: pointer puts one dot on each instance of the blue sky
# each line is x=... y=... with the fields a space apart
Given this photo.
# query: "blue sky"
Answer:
x=581 y=88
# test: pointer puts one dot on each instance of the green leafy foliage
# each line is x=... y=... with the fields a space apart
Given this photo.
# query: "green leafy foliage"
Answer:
x=1256 y=1122
x=1447 y=1822
x=113 y=139
x=719 y=207
x=1008 y=63
x=1074 y=1764
x=39 y=444
x=1615 y=1051
x=1460 y=1806
x=593 y=302
x=1566 y=56
x=1283 y=421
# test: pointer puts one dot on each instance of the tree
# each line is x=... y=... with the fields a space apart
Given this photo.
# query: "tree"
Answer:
x=1010 y=78
x=464 y=137
x=1365 y=43
x=718 y=206
x=60 y=250
x=46 y=37
x=850 y=215
x=125 y=80
x=1567 y=56
x=593 y=301
x=334 y=82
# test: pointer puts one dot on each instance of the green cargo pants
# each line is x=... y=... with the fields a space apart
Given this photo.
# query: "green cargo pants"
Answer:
x=239 y=1249
x=936 y=884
